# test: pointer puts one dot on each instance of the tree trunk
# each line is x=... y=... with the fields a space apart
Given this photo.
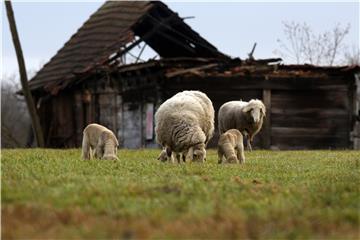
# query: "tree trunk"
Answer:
x=23 y=76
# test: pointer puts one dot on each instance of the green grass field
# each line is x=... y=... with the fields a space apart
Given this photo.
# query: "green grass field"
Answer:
x=276 y=194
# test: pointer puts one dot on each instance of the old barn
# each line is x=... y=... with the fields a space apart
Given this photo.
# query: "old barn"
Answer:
x=89 y=80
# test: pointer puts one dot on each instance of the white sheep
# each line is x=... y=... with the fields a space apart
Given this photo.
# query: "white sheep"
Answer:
x=247 y=117
x=101 y=140
x=231 y=147
x=184 y=125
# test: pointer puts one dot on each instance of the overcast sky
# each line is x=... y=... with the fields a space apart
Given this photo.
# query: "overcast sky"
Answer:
x=233 y=27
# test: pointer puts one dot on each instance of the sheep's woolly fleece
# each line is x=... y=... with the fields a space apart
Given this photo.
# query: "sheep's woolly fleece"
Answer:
x=185 y=121
x=231 y=147
x=101 y=140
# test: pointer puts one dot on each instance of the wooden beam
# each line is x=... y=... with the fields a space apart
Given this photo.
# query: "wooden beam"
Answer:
x=23 y=77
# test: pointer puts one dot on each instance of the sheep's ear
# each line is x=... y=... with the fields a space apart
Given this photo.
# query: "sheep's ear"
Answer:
x=263 y=111
x=190 y=154
x=247 y=109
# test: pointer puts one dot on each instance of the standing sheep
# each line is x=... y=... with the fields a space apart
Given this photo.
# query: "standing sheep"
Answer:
x=102 y=140
x=231 y=146
x=184 y=125
x=247 y=117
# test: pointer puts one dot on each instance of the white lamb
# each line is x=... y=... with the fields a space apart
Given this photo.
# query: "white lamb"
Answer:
x=102 y=140
x=184 y=125
x=247 y=117
x=231 y=147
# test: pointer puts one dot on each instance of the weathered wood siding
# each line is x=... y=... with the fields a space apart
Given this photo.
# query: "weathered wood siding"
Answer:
x=309 y=119
x=132 y=125
x=58 y=122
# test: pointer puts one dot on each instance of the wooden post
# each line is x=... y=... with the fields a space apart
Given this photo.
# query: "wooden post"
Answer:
x=356 y=112
x=79 y=117
x=267 y=120
x=23 y=77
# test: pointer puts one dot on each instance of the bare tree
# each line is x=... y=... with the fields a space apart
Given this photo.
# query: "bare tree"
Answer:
x=15 y=125
x=23 y=76
x=302 y=45
x=352 y=56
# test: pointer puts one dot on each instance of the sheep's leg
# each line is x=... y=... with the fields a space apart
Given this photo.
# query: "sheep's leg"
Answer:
x=190 y=154
x=240 y=152
x=173 y=157
x=249 y=143
x=178 y=157
x=86 y=152
x=99 y=149
x=220 y=156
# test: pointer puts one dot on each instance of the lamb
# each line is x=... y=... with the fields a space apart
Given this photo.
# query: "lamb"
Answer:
x=231 y=146
x=184 y=126
x=102 y=140
x=247 y=117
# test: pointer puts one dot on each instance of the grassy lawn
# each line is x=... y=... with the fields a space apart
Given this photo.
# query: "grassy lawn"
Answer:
x=276 y=194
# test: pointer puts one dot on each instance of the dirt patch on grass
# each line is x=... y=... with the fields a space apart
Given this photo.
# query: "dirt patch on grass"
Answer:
x=32 y=222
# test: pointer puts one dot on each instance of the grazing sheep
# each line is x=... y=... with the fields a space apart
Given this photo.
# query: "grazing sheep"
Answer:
x=231 y=146
x=100 y=139
x=184 y=125
x=247 y=117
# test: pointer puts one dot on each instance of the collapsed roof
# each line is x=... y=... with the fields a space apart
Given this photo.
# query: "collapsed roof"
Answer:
x=110 y=32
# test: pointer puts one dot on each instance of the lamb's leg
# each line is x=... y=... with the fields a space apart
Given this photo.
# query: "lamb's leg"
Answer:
x=85 y=148
x=240 y=152
x=220 y=156
x=99 y=149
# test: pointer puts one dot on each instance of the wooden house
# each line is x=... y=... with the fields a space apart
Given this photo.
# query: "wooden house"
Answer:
x=309 y=107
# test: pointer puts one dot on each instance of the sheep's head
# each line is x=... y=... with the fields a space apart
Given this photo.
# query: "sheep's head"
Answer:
x=163 y=156
x=110 y=157
x=255 y=111
x=196 y=153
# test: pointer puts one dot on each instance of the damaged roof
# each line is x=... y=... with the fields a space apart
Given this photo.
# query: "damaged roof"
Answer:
x=111 y=30
x=212 y=67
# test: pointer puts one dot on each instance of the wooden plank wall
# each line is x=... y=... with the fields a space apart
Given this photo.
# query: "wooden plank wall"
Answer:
x=61 y=131
x=108 y=109
x=315 y=119
x=132 y=128
x=356 y=113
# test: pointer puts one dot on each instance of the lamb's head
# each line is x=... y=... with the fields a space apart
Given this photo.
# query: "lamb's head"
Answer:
x=255 y=111
x=196 y=153
x=110 y=145
x=110 y=157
